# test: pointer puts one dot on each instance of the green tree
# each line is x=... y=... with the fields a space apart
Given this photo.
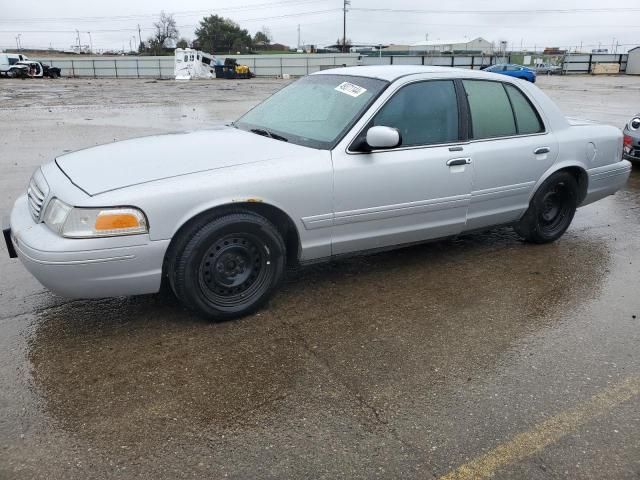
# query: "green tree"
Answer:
x=182 y=43
x=217 y=34
x=263 y=37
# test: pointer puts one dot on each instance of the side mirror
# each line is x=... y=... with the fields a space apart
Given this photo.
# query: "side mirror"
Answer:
x=383 y=137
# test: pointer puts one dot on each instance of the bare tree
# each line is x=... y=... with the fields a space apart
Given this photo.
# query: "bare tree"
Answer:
x=267 y=33
x=164 y=29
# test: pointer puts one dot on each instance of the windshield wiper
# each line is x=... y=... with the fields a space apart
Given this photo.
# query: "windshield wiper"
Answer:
x=267 y=133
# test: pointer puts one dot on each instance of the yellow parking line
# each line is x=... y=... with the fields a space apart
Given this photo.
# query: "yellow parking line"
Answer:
x=527 y=443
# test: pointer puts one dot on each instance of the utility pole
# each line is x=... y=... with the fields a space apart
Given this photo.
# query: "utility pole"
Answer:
x=344 y=25
x=18 y=42
x=90 y=44
x=139 y=34
x=298 y=36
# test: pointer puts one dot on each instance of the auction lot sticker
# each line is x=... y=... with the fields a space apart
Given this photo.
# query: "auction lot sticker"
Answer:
x=350 y=89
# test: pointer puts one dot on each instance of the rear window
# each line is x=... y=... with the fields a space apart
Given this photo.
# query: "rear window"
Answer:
x=491 y=114
x=500 y=110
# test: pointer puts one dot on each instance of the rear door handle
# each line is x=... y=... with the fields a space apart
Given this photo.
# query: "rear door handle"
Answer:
x=458 y=161
x=541 y=150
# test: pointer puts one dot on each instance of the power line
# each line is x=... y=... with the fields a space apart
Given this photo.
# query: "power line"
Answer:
x=480 y=25
x=135 y=29
x=500 y=12
x=248 y=7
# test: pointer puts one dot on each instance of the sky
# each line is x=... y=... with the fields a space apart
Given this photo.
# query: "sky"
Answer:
x=529 y=23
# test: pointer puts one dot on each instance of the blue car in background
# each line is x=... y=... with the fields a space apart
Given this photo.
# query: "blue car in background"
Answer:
x=513 y=70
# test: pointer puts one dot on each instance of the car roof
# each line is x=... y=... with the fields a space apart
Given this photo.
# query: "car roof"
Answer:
x=392 y=73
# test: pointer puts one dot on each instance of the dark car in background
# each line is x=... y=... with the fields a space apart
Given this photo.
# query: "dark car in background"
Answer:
x=513 y=70
x=632 y=139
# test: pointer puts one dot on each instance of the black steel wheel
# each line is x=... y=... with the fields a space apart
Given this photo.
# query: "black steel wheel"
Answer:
x=235 y=267
x=229 y=266
x=551 y=210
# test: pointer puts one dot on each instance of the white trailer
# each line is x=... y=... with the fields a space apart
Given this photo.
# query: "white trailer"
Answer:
x=191 y=63
x=10 y=64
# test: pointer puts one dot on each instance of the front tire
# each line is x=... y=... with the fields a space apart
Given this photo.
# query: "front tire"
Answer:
x=551 y=210
x=228 y=267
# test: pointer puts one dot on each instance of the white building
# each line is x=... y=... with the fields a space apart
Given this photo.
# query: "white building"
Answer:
x=633 y=61
x=459 y=45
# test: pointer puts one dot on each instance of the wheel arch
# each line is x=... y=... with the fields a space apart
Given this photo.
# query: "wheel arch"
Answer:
x=280 y=219
x=575 y=169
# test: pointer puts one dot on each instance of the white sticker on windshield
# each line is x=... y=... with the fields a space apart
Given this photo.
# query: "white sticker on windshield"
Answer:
x=350 y=89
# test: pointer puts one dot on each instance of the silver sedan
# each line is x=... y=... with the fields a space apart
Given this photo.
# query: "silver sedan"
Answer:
x=340 y=162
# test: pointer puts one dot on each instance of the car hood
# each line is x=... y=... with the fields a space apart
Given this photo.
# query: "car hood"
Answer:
x=131 y=162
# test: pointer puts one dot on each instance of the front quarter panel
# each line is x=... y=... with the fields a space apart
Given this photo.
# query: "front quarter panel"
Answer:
x=300 y=185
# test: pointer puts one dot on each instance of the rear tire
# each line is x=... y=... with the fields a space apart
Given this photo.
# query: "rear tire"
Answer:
x=227 y=267
x=551 y=210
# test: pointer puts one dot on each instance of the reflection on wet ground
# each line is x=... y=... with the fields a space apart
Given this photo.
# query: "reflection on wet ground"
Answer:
x=378 y=324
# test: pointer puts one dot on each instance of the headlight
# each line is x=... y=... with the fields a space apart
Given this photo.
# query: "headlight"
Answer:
x=75 y=222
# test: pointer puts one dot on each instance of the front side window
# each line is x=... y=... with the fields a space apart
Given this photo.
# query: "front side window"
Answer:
x=316 y=111
x=425 y=113
x=491 y=114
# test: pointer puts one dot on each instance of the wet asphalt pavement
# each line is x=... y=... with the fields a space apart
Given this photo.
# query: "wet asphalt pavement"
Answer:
x=475 y=357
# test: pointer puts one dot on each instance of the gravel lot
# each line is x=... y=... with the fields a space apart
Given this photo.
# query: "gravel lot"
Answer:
x=480 y=356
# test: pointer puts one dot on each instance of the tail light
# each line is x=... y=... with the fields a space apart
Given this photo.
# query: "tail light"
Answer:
x=627 y=141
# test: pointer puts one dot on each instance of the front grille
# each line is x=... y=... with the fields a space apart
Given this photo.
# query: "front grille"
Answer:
x=36 y=195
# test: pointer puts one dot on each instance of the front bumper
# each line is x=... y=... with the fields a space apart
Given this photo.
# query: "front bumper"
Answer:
x=632 y=153
x=87 y=268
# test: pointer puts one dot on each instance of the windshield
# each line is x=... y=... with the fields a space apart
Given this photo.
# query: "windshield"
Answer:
x=315 y=111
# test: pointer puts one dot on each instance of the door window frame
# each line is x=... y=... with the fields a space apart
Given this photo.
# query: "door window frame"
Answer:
x=544 y=131
x=463 y=123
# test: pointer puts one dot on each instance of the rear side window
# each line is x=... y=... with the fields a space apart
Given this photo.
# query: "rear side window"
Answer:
x=425 y=113
x=491 y=114
x=527 y=118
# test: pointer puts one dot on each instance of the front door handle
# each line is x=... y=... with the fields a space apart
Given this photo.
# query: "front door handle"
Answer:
x=458 y=161
x=541 y=150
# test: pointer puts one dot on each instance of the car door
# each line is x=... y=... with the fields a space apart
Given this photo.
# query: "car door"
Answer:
x=416 y=191
x=511 y=149
x=512 y=71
